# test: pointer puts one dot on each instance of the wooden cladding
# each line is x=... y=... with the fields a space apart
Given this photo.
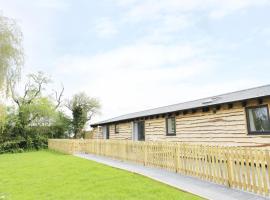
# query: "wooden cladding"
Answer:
x=221 y=126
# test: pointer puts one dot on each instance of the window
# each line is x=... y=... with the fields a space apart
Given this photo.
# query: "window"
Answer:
x=170 y=126
x=258 y=120
x=116 y=128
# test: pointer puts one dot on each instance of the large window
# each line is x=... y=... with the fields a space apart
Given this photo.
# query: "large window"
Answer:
x=170 y=126
x=258 y=120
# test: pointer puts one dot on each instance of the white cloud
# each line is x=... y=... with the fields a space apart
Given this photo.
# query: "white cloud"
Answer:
x=265 y=31
x=135 y=77
x=226 y=7
x=145 y=75
x=166 y=18
x=52 y=4
x=105 y=28
x=153 y=9
x=172 y=23
x=136 y=56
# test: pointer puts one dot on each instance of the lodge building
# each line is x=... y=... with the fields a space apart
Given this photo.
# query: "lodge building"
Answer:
x=238 y=118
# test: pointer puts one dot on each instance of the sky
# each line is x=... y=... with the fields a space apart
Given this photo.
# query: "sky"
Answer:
x=139 y=54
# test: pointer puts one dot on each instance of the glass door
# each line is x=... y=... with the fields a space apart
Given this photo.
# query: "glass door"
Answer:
x=106 y=132
x=138 y=131
x=141 y=136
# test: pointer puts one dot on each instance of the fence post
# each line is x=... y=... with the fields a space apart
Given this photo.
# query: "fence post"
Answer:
x=185 y=159
x=126 y=151
x=176 y=157
x=229 y=168
x=145 y=153
x=72 y=147
x=267 y=158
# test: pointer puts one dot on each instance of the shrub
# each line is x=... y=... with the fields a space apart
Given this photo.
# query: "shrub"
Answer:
x=18 y=146
x=11 y=147
x=40 y=142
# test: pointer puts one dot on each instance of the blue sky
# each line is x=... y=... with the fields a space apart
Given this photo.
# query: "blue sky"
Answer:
x=139 y=54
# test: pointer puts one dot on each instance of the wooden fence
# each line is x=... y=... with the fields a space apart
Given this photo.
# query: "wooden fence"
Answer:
x=236 y=167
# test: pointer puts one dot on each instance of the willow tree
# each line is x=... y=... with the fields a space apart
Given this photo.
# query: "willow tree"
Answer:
x=2 y=118
x=11 y=51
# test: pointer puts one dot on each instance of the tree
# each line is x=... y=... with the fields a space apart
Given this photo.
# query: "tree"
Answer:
x=83 y=108
x=62 y=126
x=11 y=51
x=33 y=108
x=2 y=117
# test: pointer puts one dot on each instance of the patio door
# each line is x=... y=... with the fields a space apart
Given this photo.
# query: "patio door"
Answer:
x=106 y=132
x=138 y=131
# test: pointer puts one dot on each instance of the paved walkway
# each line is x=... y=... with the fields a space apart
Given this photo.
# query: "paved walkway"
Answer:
x=201 y=188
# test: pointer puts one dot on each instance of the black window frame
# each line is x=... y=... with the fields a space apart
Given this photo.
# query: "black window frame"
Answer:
x=141 y=135
x=107 y=137
x=248 y=123
x=115 y=129
x=167 y=131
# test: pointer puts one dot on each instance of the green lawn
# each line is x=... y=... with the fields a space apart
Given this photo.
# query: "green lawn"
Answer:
x=49 y=175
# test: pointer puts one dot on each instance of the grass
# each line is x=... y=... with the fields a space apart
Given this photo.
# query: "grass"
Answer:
x=50 y=175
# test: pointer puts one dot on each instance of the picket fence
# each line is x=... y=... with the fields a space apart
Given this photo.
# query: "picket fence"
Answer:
x=243 y=168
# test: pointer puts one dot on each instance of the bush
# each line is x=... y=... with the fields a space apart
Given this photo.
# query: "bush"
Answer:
x=11 y=147
x=18 y=146
x=39 y=142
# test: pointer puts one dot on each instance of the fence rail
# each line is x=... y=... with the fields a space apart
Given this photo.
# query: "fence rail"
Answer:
x=242 y=168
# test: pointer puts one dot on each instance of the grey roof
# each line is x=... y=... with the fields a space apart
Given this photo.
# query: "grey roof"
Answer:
x=214 y=100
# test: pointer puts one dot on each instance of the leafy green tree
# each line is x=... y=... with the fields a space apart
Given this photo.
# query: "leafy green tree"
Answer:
x=30 y=120
x=83 y=108
x=11 y=50
x=34 y=109
x=62 y=126
x=29 y=101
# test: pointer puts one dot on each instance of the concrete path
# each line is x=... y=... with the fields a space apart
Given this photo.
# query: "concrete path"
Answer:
x=201 y=188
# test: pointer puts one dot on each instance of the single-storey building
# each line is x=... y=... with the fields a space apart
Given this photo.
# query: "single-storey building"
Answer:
x=236 y=118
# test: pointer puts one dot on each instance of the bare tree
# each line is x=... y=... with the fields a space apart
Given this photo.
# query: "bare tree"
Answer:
x=33 y=89
x=59 y=96
x=32 y=92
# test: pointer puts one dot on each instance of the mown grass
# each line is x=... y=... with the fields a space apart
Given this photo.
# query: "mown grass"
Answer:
x=50 y=175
